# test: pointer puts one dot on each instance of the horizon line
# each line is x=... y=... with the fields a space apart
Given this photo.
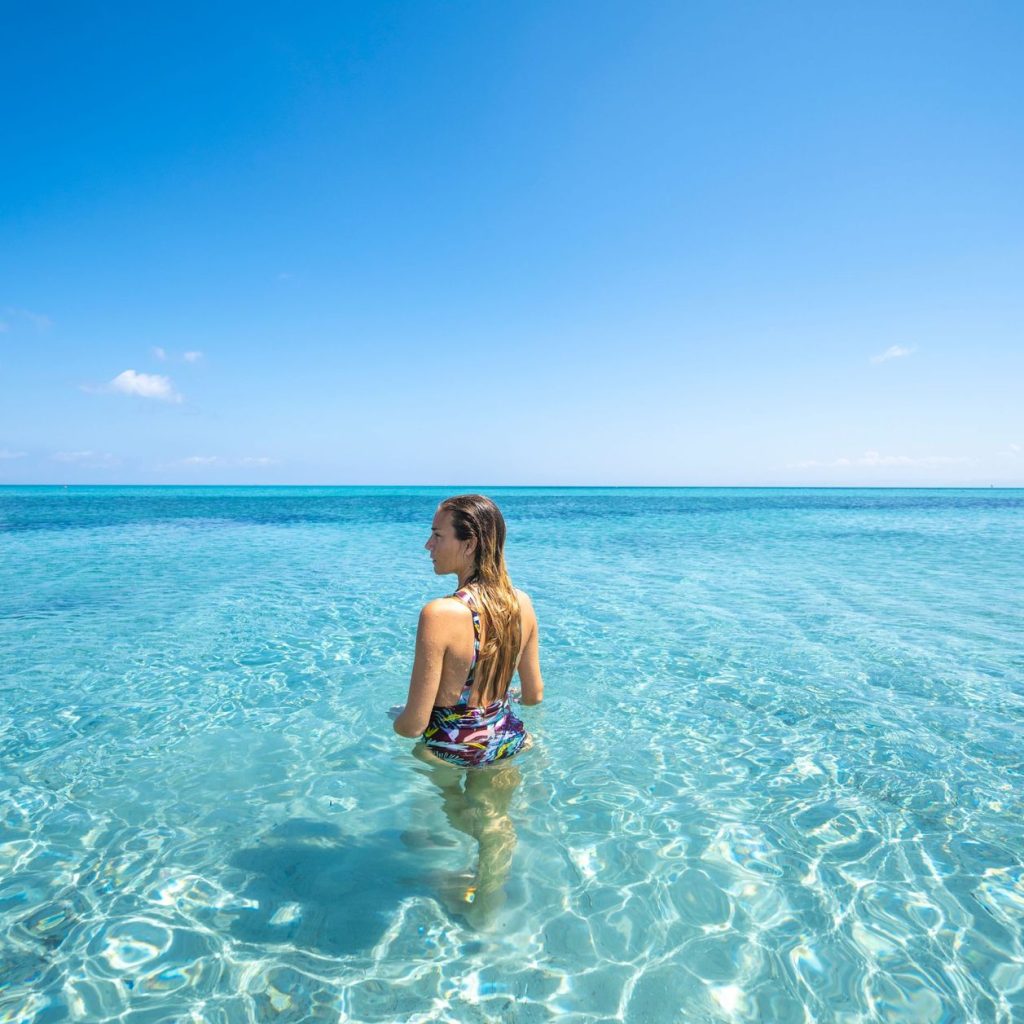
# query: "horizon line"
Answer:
x=561 y=487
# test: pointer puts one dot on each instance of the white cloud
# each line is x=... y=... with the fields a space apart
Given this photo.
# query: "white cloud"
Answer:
x=160 y=353
x=877 y=459
x=6 y=453
x=872 y=459
x=145 y=385
x=193 y=357
x=40 y=321
x=1014 y=448
x=892 y=352
x=89 y=459
x=218 y=460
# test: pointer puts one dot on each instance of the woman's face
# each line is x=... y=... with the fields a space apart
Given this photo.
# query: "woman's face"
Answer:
x=447 y=552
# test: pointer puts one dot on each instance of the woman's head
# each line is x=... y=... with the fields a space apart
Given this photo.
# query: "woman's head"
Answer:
x=468 y=538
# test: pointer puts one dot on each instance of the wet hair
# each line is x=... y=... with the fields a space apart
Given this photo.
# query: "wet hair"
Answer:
x=476 y=517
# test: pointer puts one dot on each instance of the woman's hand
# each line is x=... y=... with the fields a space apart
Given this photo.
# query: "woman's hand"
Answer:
x=394 y=711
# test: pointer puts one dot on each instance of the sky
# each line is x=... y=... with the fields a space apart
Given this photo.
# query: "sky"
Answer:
x=686 y=243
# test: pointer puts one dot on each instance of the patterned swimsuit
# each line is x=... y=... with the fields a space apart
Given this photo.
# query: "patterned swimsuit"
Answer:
x=474 y=736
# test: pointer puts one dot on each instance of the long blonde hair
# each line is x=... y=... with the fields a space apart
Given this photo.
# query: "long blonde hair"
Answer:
x=475 y=517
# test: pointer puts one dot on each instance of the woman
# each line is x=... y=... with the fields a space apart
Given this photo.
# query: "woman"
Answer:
x=469 y=645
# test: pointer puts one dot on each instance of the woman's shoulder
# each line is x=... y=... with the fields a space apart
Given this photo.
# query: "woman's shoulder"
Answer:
x=443 y=609
x=525 y=604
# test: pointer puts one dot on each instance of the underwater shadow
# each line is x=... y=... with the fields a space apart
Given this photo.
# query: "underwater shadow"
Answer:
x=315 y=887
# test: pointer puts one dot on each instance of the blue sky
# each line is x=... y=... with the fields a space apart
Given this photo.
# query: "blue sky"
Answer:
x=531 y=243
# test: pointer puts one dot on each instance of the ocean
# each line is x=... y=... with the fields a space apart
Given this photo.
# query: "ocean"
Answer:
x=777 y=774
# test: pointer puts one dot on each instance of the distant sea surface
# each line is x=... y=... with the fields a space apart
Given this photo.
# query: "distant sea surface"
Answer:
x=777 y=774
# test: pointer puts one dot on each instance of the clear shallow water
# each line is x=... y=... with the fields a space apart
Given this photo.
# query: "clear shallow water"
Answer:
x=778 y=772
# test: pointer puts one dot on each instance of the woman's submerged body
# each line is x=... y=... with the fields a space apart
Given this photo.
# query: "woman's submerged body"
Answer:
x=468 y=647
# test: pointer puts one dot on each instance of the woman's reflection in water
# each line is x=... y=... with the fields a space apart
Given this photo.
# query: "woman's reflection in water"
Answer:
x=477 y=803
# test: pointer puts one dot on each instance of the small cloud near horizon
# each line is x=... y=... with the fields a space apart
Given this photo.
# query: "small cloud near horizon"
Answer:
x=6 y=453
x=892 y=352
x=142 y=385
x=87 y=459
x=217 y=460
x=873 y=459
x=193 y=357
x=160 y=353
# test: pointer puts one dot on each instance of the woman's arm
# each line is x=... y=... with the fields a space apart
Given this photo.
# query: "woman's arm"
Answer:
x=431 y=641
x=529 y=662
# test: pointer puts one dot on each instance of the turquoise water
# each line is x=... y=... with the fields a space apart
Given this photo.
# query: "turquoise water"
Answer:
x=777 y=776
